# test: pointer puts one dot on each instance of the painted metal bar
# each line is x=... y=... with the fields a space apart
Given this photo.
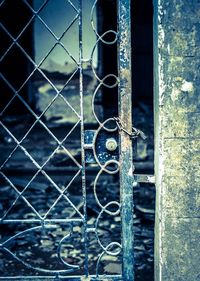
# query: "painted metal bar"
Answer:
x=82 y=137
x=140 y=178
x=64 y=278
x=46 y=221
x=125 y=115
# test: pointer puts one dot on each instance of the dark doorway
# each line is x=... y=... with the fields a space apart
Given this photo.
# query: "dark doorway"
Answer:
x=142 y=96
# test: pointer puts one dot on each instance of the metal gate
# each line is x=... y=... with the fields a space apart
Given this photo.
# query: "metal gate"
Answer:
x=28 y=236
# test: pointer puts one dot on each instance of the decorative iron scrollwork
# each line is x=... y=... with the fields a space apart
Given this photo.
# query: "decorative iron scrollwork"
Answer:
x=111 y=164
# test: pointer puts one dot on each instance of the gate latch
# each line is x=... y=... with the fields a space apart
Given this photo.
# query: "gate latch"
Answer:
x=104 y=146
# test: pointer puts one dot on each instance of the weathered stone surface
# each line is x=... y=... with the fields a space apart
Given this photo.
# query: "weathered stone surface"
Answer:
x=182 y=124
x=181 y=157
x=181 y=197
x=177 y=100
x=180 y=251
x=180 y=22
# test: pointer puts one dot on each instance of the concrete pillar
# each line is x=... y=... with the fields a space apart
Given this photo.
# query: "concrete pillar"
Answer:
x=177 y=135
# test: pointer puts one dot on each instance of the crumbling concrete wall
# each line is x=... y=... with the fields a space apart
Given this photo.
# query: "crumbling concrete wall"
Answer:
x=177 y=122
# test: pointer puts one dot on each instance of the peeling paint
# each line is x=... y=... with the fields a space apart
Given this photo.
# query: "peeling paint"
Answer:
x=187 y=86
x=125 y=115
x=175 y=93
x=130 y=172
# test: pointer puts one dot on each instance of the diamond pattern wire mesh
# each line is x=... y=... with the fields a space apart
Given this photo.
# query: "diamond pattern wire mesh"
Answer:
x=38 y=119
x=40 y=219
x=21 y=195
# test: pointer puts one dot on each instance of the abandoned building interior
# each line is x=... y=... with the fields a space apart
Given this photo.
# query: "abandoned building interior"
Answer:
x=42 y=119
x=60 y=136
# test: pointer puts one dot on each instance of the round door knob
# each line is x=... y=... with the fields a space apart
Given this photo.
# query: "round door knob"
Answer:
x=111 y=144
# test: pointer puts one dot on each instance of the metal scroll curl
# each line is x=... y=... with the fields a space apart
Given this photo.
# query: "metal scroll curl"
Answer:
x=112 y=166
x=4 y=247
x=108 y=252
x=113 y=248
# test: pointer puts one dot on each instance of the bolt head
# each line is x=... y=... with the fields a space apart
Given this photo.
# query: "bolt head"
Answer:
x=111 y=144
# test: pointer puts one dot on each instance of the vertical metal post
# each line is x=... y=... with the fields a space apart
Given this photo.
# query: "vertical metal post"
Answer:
x=125 y=114
x=82 y=137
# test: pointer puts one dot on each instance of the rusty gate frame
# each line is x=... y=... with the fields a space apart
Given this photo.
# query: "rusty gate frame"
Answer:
x=125 y=164
x=126 y=160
